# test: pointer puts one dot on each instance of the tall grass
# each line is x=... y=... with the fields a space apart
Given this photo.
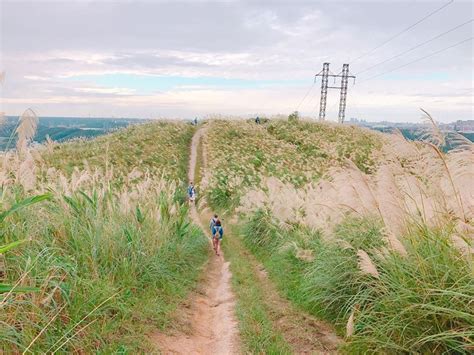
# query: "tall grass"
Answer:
x=111 y=253
x=417 y=302
x=386 y=255
x=242 y=154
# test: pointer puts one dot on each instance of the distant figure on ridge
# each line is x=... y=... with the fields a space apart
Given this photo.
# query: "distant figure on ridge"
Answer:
x=217 y=233
x=191 y=192
x=257 y=120
x=195 y=121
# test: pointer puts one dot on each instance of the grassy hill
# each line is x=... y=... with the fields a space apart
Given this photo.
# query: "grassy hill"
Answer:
x=366 y=230
x=97 y=243
x=369 y=231
x=241 y=154
x=160 y=148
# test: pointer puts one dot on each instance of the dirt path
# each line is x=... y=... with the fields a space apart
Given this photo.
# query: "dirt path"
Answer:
x=303 y=332
x=210 y=320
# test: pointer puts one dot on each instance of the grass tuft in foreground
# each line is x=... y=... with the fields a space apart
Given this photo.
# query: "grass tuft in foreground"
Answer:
x=417 y=302
x=110 y=254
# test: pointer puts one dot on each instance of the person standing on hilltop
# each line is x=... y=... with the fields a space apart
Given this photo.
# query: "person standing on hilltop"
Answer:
x=257 y=120
x=191 y=192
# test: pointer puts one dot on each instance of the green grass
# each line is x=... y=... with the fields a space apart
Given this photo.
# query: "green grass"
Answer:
x=160 y=147
x=110 y=258
x=257 y=331
x=421 y=302
x=86 y=253
x=242 y=154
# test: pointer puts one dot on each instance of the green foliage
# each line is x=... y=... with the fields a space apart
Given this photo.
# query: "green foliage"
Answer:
x=159 y=147
x=296 y=152
x=23 y=204
x=294 y=117
x=220 y=195
x=258 y=334
x=111 y=256
x=90 y=260
x=420 y=303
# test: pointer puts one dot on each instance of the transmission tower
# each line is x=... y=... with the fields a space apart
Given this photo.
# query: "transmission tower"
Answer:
x=325 y=74
x=324 y=90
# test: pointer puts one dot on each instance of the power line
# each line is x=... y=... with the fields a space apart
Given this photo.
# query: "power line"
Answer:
x=418 y=59
x=415 y=47
x=305 y=96
x=403 y=31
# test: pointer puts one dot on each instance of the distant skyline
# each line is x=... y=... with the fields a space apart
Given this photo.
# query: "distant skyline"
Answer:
x=151 y=59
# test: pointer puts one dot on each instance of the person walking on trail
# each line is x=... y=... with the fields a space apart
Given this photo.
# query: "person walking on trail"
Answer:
x=212 y=223
x=191 y=192
x=195 y=121
x=257 y=120
x=217 y=233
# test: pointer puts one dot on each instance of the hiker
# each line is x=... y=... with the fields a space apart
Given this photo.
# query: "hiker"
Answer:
x=217 y=233
x=195 y=121
x=212 y=223
x=191 y=192
x=257 y=120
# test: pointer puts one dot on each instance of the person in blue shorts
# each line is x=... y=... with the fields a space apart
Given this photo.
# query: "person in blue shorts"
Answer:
x=217 y=233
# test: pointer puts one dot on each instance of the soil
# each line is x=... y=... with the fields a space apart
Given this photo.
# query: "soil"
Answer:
x=211 y=325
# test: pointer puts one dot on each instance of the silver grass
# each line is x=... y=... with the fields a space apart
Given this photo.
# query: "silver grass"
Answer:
x=26 y=129
x=434 y=133
x=350 y=325
x=366 y=265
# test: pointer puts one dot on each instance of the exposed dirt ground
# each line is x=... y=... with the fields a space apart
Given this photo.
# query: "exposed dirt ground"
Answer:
x=208 y=318
x=211 y=325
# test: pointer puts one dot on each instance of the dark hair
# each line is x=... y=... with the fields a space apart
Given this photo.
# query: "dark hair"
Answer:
x=215 y=216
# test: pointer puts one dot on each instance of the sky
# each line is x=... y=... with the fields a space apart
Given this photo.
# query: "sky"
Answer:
x=181 y=59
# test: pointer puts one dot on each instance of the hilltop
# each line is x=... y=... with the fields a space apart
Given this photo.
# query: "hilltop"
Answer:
x=332 y=232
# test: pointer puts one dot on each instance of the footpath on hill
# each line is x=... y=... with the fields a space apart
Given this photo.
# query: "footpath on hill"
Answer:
x=209 y=315
x=211 y=323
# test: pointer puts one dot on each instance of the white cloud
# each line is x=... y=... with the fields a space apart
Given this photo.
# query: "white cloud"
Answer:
x=233 y=40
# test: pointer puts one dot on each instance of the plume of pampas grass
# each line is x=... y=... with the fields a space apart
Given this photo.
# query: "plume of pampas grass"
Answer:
x=350 y=325
x=50 y=144
x=462 y=245
x=366 y=265
x=455 y=189
x=78 y=178
x=304 y=254
x=434 y=133
x=26 y=129
x=395 y=244
x=134 y=175
x=26 y=175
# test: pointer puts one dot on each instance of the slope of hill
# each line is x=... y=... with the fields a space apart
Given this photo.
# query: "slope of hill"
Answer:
x=368 y=231
x=61 y=129
x=105 y=251
x=242 y=153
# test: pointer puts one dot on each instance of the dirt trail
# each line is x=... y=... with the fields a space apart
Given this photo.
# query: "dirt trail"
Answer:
x=303 y=332
x=211 y=325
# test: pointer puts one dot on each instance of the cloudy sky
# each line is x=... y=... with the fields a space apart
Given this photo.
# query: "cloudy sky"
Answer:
x=187 y=58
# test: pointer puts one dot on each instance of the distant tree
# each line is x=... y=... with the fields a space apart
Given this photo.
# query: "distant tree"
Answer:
x=294 y=117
